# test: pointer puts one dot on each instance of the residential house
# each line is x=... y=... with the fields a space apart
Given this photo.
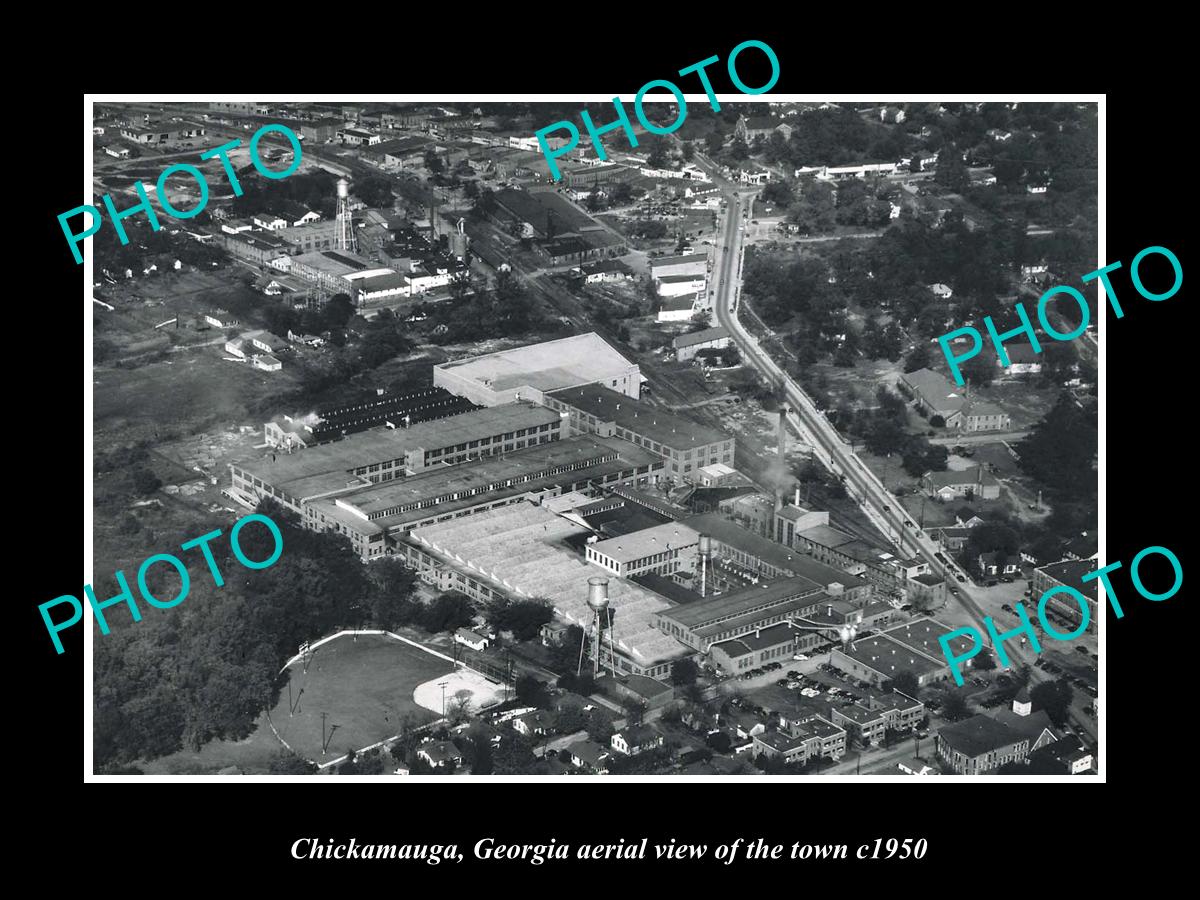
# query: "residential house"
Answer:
x=534 y=724
x=750 y=128
x=686 y=346
x=636 y=739
x=471 y=639
x=440 y=754
x=590 y=757
x=1067 y=754
x=266 y=362
x=996 y=563
x=973 y=483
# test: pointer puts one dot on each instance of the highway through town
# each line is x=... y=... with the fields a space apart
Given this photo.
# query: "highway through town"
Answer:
x=883 y=509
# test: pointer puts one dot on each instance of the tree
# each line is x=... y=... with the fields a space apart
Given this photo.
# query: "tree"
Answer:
x=599 y=727
x=286 y=763
x=1055 y=698
x=449 y=612
x=523 y=618
x=532 y=692
x=955 y=707
x=684 y=672
x=459 y=709
x=339 y=311
x=433 y=163
x=979 y=370
x=917 y=358
x=713 y=142
x=570 y=718
x=984 y=662
x=635 y=710
x=719 y=741
x=144 y=481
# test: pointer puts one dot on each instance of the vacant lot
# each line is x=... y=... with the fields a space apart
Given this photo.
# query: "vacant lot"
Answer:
x=181 y=395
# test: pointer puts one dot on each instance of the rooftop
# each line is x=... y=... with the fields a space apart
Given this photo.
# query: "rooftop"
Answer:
x=520 y=549
x=1070 y=572
x=734 y=535
x=550 y=365
x=747 y=600
x=753 y=641
x=366 y=448
x=700 y=337
x=640 y=544
x=658 y=425
x=977 y=735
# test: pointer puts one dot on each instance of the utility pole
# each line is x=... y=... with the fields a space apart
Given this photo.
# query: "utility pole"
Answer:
x=322 y=734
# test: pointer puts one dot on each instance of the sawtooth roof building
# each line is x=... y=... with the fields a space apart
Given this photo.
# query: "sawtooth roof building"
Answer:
x=521 y=551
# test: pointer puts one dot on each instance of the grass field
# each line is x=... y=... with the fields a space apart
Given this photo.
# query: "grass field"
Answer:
x=363 y=686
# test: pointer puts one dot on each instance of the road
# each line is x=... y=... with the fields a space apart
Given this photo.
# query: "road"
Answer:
x=877 y=504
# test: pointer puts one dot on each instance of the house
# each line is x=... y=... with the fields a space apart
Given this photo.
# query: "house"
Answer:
x=636 y=739
x=890 y=115
x=965 y=517
x=440 y=754
x=311 y=340
x=680 y=309
x=236 y=347
x=265 y=341
x=472 y=639
x=590 y=757
x=266 y=362
x=751 y=128
x=686 y=346
x=553 y=633
x=1068 y=755
x=1022 y=360
x=270 y=221
x=973 y=483
x=606 y=270
x=996 y=564
x=942 y=291
x=951 y=538
x=533 y=724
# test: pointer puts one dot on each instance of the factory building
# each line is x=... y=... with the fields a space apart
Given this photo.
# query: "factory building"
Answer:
x=520 y=551
x=913 y=647
x=532 y=371
x=662 y=550
x=686 y=445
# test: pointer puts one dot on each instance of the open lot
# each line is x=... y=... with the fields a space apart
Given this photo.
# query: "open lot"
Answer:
x=364 y=686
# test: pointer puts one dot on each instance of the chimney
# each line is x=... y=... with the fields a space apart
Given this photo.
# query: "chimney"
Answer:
x=796 y=502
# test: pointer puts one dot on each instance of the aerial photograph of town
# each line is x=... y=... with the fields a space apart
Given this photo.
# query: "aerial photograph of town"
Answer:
x=654 y=468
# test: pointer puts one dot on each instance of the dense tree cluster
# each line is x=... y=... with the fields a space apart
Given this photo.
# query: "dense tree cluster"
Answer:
x=207 y=668
x=523 y=618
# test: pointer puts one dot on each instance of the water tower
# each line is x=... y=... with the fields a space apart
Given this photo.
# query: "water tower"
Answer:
x=601 y=620
x=705 y=557
x=344 y=237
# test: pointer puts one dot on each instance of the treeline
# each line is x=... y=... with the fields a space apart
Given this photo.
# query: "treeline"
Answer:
x=207 y=668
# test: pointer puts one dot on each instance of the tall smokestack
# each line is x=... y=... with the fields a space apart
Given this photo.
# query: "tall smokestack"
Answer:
x=781 y=449
x=705 y=553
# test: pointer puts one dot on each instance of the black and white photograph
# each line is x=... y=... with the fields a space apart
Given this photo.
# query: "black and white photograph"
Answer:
x=749 y=437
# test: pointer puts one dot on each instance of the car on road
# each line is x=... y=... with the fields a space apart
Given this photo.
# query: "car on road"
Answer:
x=1007 y=608
x=1083 y=650
x=992 y=582
x=908 y=524
x=961 y=579
x=887 y=508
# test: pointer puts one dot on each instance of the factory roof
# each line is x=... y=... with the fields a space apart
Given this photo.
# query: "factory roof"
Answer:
x=640 y=544
x=520 y=550
x=796 y=608
x=726 y=606
x=339 y=458
x=658 y=425
x=730 y=533
x=550 y=365
x=680 y=279
x=922 y=635
x=329 y=262
x=518 y=469
x=753 y=641
x=1070 y=572
x=889 y=658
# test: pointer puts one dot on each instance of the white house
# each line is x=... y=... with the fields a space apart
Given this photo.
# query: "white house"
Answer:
x=267 y=363
x=472 y=639
x=636 y=739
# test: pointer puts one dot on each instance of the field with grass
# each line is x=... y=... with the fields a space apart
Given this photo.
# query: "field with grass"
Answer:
x=364 y=687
